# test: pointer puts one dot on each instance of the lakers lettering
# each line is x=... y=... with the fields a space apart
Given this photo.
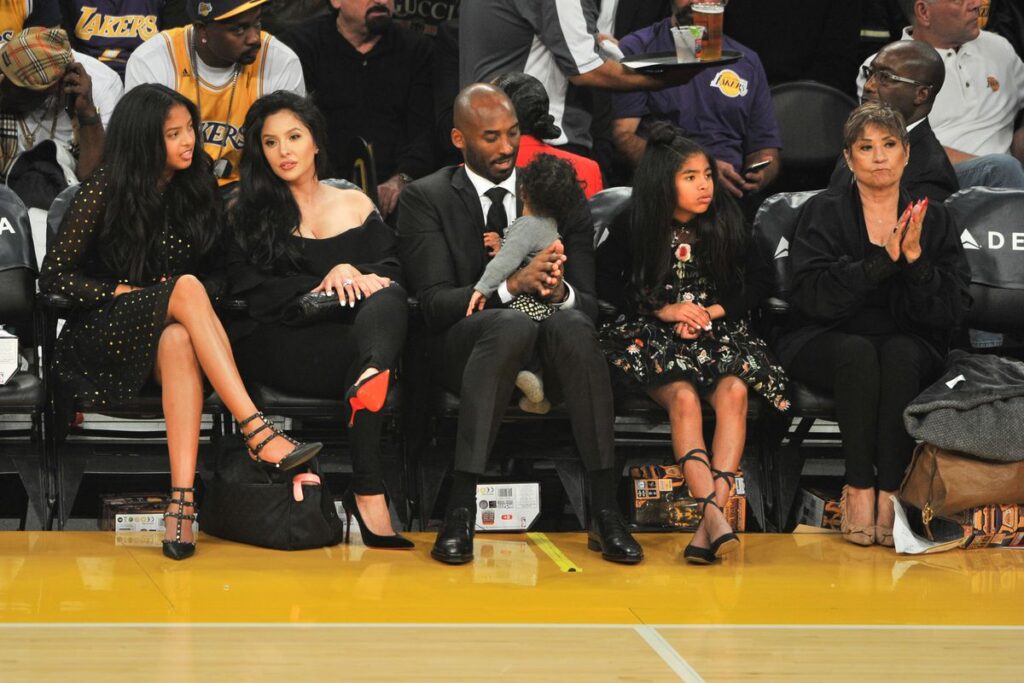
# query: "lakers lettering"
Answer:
x=6 y=35
x=729 y=83
x=222 y=135
x=93 y=24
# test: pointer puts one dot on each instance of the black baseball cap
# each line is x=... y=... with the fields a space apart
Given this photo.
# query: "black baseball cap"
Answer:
x=219 y=10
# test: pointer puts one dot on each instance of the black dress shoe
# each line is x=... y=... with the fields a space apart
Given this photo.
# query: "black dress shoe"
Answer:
x=454 y=544
x=609 y=534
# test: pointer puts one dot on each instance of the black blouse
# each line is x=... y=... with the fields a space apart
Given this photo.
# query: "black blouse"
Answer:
x=615 y=264
x=369 y=248
x=839 y=276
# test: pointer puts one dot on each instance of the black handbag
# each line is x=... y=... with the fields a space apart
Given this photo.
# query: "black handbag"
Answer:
x=250 y=503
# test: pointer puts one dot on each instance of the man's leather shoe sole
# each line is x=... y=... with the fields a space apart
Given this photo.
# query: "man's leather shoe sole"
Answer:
x=451 y=559
x=620 y=559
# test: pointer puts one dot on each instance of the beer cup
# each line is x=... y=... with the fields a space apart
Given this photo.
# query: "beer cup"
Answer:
x=709 y=14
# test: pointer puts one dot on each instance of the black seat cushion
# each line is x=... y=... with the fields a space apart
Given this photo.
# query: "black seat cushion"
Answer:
x=148 y=405
x=274 y=401
x=23 y=392
x=808 y=402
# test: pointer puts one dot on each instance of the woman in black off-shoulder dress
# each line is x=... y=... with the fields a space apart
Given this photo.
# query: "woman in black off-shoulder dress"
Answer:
x=137 y=234
x=295 y=235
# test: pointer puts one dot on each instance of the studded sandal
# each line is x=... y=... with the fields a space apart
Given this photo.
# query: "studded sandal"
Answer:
x=179 y=549
x=302 y=453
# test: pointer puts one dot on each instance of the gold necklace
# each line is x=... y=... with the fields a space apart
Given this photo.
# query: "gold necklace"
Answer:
x=30 y=136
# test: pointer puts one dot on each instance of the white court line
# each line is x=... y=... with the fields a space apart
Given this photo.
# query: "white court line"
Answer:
x=668 y=654
x=449 y=625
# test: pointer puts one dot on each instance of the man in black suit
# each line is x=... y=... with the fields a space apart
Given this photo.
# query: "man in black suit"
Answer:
x=441 y=226
x=907 y=75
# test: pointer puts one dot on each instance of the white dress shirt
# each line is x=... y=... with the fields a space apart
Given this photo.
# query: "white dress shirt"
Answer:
x=482 y=185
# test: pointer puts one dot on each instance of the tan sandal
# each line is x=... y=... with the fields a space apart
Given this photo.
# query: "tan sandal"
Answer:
x=858 y=535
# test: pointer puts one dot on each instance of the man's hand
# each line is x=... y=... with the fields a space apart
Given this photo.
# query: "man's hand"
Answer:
x=542 y=276
x=388 y=192
x=76 y=82
x=492 y=243
x=730 y=179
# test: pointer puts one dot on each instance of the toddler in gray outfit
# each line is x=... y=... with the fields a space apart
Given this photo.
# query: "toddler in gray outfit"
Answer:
x=550 y=191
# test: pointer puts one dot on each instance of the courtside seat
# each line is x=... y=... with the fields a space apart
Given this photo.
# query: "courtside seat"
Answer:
x=23 y=394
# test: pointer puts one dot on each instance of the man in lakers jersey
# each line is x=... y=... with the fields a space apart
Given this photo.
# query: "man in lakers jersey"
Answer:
x=223 y=62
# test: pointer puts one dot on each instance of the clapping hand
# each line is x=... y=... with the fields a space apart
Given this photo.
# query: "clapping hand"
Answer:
x=911 y=244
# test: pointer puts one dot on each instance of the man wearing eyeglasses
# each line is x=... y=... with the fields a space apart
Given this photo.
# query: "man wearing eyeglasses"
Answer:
x=907 y=75
x=974 y=115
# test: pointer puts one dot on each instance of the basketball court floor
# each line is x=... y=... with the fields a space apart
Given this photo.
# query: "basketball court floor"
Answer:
x=100 y=606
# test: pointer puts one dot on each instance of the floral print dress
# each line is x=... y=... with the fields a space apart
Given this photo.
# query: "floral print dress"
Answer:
x=650 y=353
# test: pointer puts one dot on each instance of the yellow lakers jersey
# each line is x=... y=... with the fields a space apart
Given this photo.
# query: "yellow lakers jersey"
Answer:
x=12 y=18
x=222 y=108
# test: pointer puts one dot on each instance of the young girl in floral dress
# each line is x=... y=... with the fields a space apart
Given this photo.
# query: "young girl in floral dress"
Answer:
x=682 y=271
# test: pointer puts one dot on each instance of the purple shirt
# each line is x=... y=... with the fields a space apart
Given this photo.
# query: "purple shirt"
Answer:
x=727 y=109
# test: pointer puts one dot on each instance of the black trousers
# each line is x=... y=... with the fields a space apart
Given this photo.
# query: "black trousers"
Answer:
x=478 y=359
x=323 y=360
x=873 y=378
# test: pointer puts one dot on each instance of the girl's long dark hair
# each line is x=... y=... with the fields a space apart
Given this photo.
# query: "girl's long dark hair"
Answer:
x=720 y=230
x=138 y=208
x=265 y=212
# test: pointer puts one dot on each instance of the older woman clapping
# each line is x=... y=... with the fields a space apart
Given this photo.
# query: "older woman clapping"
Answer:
x=879 y=282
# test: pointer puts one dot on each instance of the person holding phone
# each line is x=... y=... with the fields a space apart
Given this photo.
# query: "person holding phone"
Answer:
x=726 y=108
x=50 y=92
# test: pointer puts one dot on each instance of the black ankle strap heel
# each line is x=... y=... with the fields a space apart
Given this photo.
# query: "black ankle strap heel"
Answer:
x=178 y=549
x=301 y=454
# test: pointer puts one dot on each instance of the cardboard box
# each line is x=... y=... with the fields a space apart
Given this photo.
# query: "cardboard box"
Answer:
x=994 y=526
x=818 y=508
x=507 y=507
x=661 y=501
x=142 y=512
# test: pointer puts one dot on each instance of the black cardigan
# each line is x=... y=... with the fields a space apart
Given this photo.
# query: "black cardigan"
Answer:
x=835 y=268
x=615 y=264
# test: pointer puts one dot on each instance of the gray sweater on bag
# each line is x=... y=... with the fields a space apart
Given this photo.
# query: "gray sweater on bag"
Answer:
x=523 y=239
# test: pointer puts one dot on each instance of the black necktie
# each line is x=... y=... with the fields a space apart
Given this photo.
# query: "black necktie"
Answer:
x=497 y=219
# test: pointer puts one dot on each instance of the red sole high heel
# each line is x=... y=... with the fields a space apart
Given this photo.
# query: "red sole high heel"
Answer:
x=369 y=394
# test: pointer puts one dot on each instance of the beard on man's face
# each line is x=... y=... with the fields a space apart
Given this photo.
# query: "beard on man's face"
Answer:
x=378 y=19
x=684 y=16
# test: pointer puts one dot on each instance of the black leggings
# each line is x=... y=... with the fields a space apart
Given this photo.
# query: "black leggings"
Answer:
x=873 y=378
x=324 y=360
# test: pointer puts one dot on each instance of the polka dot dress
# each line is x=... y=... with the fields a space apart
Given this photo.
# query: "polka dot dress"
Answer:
x=107 y=349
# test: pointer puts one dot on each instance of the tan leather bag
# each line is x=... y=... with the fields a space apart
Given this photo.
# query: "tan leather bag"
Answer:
x=942 y=483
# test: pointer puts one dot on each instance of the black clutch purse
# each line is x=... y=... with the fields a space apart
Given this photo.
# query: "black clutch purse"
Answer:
x=310 y=308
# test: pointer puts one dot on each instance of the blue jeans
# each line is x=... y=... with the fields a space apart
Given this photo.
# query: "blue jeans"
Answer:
x=991 y=170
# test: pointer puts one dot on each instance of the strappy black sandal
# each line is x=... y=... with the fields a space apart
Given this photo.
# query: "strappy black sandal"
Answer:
x=301 y=454
x=723 y=544
x=179 y=549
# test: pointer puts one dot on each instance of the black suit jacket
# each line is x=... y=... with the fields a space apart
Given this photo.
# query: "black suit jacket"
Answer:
x=928 y=173
x=440 y=244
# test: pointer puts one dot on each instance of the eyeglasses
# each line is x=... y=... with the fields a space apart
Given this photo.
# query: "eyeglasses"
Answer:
x=888 y=77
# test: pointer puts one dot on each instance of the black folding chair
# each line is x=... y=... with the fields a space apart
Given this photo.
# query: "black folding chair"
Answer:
x=23 y=393
x=811 y=116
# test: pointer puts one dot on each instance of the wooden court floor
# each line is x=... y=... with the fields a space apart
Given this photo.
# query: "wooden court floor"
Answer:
x=95 y=606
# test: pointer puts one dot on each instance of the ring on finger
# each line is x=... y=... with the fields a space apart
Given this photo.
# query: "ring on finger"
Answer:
x=346 y=283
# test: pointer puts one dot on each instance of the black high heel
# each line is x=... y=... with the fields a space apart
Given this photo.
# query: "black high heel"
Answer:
x=301 y=454
x=724 y=543
x=179 y=549
x=370 y=539
x=369 y=393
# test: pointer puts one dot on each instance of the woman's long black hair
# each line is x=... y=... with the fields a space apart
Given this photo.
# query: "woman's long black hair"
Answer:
x=138 y=206
x=720 y=230
x=265 y=212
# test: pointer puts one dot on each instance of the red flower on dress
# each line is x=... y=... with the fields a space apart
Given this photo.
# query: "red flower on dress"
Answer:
x=683 y=252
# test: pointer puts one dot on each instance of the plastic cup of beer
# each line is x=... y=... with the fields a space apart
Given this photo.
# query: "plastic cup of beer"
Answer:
x=709 y=14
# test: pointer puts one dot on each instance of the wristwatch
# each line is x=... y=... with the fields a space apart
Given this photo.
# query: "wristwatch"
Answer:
x=405 y=178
